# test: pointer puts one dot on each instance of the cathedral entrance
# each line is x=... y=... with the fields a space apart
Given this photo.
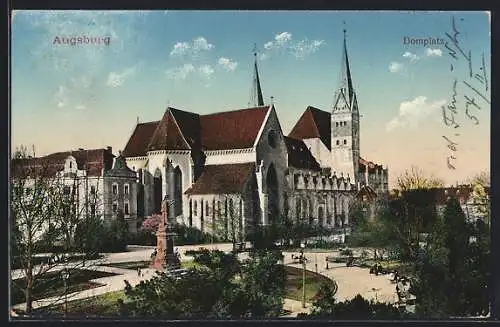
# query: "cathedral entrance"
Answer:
x=272 y=193
x=157 y=191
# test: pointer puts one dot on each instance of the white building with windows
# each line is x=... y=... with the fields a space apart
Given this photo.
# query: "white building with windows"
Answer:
x=93 y=181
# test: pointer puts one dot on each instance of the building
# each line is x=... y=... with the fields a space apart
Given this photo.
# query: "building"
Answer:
x=232 y=170
x=94 y=182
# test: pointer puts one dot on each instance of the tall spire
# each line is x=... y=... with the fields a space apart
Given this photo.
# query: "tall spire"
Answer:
x=346 y=83
x=256 y=98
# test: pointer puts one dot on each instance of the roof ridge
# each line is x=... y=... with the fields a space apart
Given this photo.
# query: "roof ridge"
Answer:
x=314 y=121
x=236 y=110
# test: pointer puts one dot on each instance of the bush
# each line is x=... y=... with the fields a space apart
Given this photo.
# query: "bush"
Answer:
x=143 y=237
x=346 y=252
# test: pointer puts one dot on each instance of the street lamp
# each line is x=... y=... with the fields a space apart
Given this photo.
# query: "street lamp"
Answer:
x=65 y=276
x=303 y=261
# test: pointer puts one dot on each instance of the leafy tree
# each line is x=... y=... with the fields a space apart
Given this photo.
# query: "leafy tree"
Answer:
x=326 y=307
x=150 y=224
x=118 y=234
x=194 y=296
x=453 y=271
x=90 y=234
x=224 y=288
x=263 y=284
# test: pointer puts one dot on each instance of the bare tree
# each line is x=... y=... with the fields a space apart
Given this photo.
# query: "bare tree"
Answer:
x=38 y=220
x=483 y=178
x=415 y=178
x=227 y=221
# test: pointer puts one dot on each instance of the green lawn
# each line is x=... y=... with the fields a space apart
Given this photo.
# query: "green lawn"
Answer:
x=51 y=284
x=294 y=284
x=101 y=305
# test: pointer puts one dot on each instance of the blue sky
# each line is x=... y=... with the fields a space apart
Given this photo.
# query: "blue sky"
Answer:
x=66 y=97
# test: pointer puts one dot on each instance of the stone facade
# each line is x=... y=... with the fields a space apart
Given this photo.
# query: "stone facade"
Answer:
x=242 y=160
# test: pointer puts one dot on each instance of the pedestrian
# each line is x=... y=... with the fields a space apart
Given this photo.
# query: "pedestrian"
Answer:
x=139 y=272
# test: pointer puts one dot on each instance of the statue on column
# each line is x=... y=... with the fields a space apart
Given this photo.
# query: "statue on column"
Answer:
x=165 y=255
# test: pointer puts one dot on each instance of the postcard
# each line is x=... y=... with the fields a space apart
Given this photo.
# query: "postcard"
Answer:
x=182 y=164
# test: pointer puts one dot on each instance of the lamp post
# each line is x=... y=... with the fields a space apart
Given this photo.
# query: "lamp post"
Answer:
x=303 y=261
x=65 y=277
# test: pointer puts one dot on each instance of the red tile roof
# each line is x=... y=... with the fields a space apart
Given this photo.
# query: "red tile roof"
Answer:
x=299 y=155
x=94 y=160
x=232 y=129
x=189 y=124
x=314 y=123
x=223 y=179
x=168 y=135
x=138 y=142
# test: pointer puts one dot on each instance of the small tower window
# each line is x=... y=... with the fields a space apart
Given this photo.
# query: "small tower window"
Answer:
x=338 y=142
x=115 y=189
x=345 y=142
x=337 y=124
x=92 y=189
x=126 y=189
x=125 y=208
x=115 y=207
x=70 y=165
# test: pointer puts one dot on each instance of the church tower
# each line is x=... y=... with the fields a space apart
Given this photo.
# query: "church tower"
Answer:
x=345 y=125
x=256 y=98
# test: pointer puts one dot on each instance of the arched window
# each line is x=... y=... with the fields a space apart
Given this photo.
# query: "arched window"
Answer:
x=191 y=213
x=231 y=216
x=298 y=208
x=202 y=218
x=178 y=191
x=195 y=208
x=207 y=209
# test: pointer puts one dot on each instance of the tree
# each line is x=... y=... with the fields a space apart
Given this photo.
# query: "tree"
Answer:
x=37 y=219
x=357 y=308
x=453 y=270
x=221 y=287
x=415 y=178
x=118 y=234
x=483 y=178
x=263 y=283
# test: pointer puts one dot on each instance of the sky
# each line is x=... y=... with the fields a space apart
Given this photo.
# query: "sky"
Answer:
x=136 y=63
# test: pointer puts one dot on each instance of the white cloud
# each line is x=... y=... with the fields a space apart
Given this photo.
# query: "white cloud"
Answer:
x=201 y=43
x=81 y=107
x=180 y=73
x=414 y=111
x=61 y=97
x=283 y=43
x=227 y=64
x=282 y=38
x=395 y=67
x=180 y=48
x=191 y=48
x=434 y=52
x=411 y=56
x=117 y=79
x=206 y=70
x=304 y=48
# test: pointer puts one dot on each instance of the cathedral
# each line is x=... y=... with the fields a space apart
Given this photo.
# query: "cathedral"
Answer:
x=227 y=172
